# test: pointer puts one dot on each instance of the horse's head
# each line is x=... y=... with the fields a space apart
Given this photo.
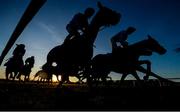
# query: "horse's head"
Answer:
x=106 y=16
x=155 y=46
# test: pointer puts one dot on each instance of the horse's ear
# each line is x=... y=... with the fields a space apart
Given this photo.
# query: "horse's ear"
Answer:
x=99 y=5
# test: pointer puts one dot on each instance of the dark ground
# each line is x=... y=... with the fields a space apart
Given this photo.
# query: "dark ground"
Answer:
x=152 y=95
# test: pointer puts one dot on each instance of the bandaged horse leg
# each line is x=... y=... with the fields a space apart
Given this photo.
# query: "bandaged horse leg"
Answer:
x=148 y=68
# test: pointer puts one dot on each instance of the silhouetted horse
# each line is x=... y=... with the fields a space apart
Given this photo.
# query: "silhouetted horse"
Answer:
x=13 y=66
x=75 y=55
x=26 y=70
x=125 y=60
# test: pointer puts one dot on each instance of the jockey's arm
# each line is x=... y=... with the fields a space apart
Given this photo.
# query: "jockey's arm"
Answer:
x=124 y=43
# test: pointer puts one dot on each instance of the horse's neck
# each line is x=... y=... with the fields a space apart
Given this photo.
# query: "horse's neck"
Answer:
x=94 y=27
x=27 y=66
x=142 y=48
x=140 y=44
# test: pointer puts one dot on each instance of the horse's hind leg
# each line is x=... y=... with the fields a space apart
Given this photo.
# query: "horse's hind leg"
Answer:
x=104 y=80
x=110 y=78
x=15 y=75
x=137 y=78
x=124 y=75
x=7 y=75
x=148 y=70
x=25 y=77
x=57 y=78
x=148 y=63
x=28 y=77
x=63 y=79
x=11 y=75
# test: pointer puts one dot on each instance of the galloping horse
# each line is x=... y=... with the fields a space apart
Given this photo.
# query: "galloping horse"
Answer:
x=13 y=65
x=73 y=56
x=26 y=70
x=125 y=60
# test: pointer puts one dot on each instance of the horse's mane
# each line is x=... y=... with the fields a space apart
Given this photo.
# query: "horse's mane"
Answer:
x=139 y=43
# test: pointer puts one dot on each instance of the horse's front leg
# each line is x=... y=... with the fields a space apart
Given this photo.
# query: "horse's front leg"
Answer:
x=18 y=76
x=57 y=77
x=137 y=78
x=15 y=75
x=7 y=74
x=148 y=72
x=41 y=79
x=141 y=69
x=80 y=78
x=26 y=78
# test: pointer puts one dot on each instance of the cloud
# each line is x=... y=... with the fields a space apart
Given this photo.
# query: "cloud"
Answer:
x=52 y=30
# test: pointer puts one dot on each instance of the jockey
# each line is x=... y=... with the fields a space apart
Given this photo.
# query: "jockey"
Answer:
x=19 y=50
x=121 y=37
x=79 y=22
x=18 y=53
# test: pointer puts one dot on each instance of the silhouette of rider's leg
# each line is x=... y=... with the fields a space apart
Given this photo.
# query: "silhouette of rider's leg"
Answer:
x=72 y=33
